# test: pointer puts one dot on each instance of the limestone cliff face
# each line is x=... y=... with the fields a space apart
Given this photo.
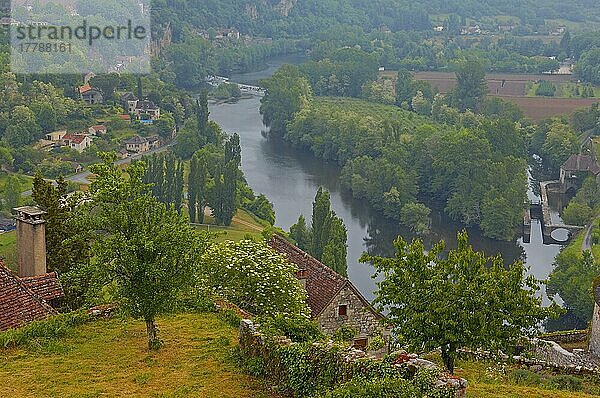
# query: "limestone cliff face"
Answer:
x=285 y=6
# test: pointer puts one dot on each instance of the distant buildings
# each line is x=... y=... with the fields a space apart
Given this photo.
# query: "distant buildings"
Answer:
x=90 y=94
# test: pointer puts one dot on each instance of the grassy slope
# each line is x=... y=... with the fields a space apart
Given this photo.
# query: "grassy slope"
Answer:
x=243 y=224
x=488 y=380
x=109 y=358
x=8 y=249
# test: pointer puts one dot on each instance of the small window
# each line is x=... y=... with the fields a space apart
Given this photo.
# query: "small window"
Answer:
x=342 y=310
x=360 y=344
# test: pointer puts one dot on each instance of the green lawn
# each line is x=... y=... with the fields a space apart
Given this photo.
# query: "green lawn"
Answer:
x=8 y=249
x=109 y=358
x=243 y=224
x=26 y=181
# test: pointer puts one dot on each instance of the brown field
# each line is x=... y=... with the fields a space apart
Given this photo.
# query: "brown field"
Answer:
x=513 y=87
x=538 y=108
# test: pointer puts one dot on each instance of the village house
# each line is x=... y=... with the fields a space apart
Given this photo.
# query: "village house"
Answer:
x=90 y=94
x=146 y=110
x=56 y=135
x=137 y=144
x=97 y=130
x=333 y=300
x=129 y=101
x=574 y=168
x=28 y=295
x=46 y=145
x=154 y=142
x=78 y=142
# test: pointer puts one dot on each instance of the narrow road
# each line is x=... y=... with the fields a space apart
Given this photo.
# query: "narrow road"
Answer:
x=82 y=178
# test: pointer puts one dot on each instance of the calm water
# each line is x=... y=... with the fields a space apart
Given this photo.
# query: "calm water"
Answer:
x=290 y=179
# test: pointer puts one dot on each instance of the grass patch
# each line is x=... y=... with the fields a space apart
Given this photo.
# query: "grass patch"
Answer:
x=243 y=224
x=8 y=249
x=109 y=358
x=493 y=380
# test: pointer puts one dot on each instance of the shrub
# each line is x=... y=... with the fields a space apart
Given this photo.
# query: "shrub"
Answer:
x=298 y=329
x=230 y=317
x=53 y=327
x=566 y=382
x=525 y=377
x=344 y=333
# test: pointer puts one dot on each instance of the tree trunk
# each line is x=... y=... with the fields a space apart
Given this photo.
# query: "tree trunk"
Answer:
x=448 y=354
x=151 y=330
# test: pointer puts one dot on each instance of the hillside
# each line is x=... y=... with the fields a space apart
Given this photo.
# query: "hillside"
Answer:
x=109 y=358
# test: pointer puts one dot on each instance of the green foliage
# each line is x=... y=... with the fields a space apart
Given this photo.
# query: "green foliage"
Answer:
x=146 y=248
x=416 y=217
x=588 y=67
x=230 y=317
x=525 y=377
x=344 y=334
x=463 y=300
x=164 y=173
x=572 y=279
x=50 y=328
x=262 y=208
x=577 y=214
x=390 y=387
x=566 y=382
x=545 y=89
x=250 y=275
x=288 y=92
x=473 y=165
x=560 y=143
x=226 y=91
x=326 y=238
x=66 y=238
x=471 y=86
x=298 y=329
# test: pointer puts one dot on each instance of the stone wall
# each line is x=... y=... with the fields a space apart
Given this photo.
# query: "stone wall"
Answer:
x=595 y=331
x=572 y=336
x=349 y=363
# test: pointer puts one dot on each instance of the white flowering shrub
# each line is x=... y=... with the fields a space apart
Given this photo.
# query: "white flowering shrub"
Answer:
x=254 y=277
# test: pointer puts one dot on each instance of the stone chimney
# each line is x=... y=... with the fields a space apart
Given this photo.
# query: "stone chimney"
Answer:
x=31 y=240
x=302 y=275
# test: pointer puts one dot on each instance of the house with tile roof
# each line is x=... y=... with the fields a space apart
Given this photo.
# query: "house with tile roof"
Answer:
x=137 y=144
x=24 y=300
x=78 y=142
x=576 y=166
x=333 y=300
x=90 y=94
x=29 y=295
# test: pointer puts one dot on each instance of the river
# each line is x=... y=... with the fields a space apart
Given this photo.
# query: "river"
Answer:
x=290 y=179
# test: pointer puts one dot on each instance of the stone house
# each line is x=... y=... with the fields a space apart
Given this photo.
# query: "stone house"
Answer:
x=146 y=110
x=333 y=300
x=97 y=130
x=595 y=326
x=28 y=296
x=137 y=144
x=90 y=94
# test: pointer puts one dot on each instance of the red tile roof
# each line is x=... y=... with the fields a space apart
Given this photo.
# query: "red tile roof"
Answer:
x=581 y=163
x=322 y=283
x=19 y=304
x=99 y=127
x=85 y=88
x=76 y=138
x=45 y=286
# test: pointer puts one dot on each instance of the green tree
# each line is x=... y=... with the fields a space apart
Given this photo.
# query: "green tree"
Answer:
x=300 y=233
x=471 y=85
x=560 y=143
x=262 y=208
x=147 y=249
x=336 y=248
x=321 y=222
x=11 y=194
x=23 y=128
x=416 y=217
x=66 y=238
x=466 y=300
x=288 y=92
x=108 y=83
x=572 y=278
x=577 y=213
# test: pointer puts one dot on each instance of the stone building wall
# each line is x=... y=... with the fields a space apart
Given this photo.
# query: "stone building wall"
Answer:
x=595 y=331
x=358 y=316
